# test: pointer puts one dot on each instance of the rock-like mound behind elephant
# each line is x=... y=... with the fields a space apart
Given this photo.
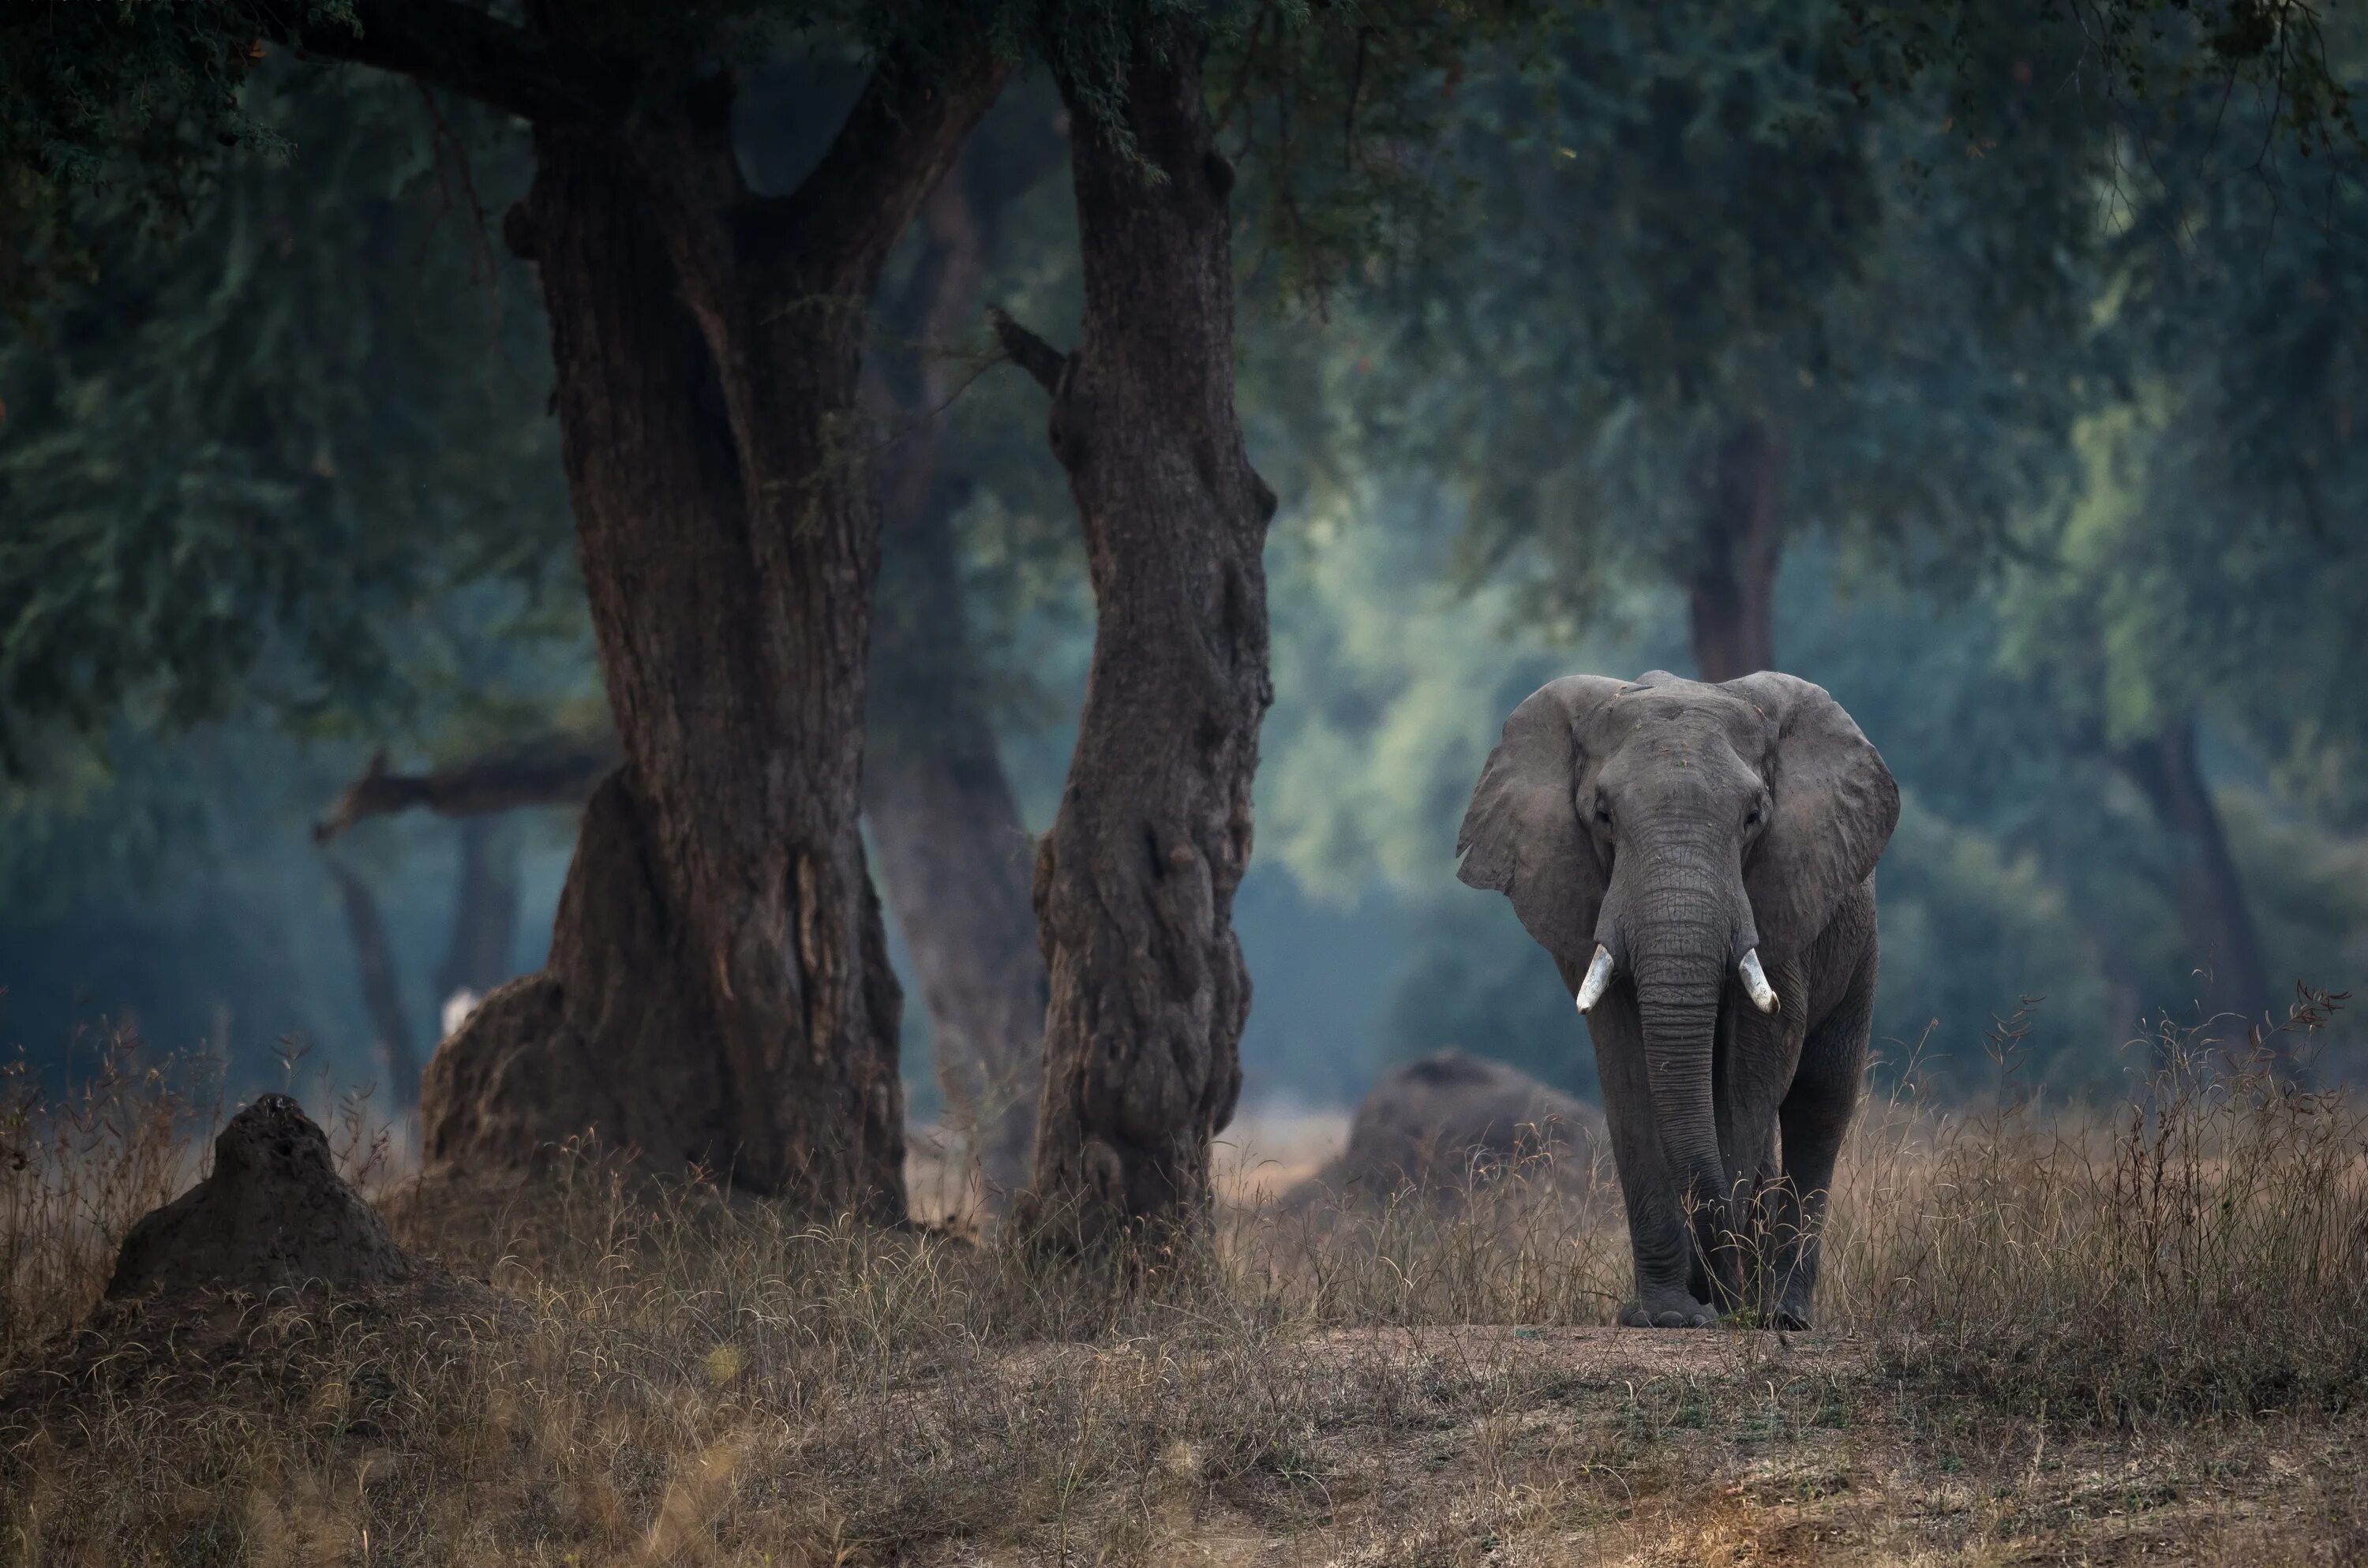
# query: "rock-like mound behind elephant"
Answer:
x=1451 y=1119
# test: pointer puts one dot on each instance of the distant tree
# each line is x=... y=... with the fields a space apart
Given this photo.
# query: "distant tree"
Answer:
x=2208 y=581
x=955 y=856
x=1719 y=297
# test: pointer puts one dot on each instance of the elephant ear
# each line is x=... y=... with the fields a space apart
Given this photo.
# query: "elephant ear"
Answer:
x=1521 y=835
x=1835 y=807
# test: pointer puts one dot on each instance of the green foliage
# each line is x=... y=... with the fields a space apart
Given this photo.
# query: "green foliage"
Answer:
x=2245 y=309
x=1969 y=927
x=132 y=100
x=1687 y=224
x=1389 y=693
x=279 y=477
x=2137 y=53
x=1332 y=111
x=253 y=462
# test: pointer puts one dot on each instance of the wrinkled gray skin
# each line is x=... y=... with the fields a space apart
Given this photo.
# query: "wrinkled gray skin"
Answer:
x=1681 y=825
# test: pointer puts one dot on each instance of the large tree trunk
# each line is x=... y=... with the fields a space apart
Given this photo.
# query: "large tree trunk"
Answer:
x=2223 y=947
x=718 y=991
x=1135 y=884
x=1731 y=587
x=953 y=852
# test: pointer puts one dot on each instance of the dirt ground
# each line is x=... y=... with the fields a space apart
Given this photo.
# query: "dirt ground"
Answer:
x=1604 y=1446
x=1665 y=1448
x=609 y=1381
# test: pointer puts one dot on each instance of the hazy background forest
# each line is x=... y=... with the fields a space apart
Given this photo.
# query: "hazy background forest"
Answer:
x=2055 y=414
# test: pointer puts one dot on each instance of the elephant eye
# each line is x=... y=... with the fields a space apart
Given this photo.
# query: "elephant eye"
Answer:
x=1602 y=813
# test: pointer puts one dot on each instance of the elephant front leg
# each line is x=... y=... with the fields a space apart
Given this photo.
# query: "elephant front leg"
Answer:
x=1759 y=1062
x=1785 y=1251
x=1672 y=1286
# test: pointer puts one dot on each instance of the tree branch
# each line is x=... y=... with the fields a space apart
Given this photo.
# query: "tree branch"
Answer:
x=447 y=44
x=548 y=770
x=891 y=148
x=1026 y=350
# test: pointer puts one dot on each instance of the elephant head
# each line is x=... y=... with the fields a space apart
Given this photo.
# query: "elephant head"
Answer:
x=1680 y=837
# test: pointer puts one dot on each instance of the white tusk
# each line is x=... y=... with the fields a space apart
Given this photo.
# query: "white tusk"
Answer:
x=1755 y=979
x=1599 y=975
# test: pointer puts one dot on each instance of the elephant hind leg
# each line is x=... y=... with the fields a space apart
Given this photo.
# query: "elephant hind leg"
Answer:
x=1815 y=1118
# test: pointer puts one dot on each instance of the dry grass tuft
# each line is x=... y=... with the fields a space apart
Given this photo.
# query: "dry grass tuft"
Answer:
x=2201 y=1250
x=668 y=1375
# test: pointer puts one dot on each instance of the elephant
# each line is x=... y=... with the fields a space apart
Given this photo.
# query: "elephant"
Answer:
x=1699 y=859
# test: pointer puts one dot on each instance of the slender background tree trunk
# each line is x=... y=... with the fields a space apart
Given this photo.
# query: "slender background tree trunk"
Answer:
x=1731 y=591
x=954 y=855
x=1135 y=884
x=483 y=942
x=381 y=985
x=2223 y=945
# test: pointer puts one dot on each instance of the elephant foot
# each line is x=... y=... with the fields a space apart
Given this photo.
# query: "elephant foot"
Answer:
x=1792 y=1318
x=1667 y=1312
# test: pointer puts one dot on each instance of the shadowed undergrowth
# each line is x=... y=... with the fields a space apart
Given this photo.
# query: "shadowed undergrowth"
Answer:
x=681 y=1377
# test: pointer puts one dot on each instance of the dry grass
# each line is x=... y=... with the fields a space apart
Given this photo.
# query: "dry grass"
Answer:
x=2049 y=1337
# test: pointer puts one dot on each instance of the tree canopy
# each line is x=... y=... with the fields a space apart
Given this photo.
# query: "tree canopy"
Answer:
x=2051 y=335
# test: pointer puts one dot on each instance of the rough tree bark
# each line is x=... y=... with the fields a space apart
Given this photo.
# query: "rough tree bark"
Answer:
x=718 y=990
x=1135 y=884
x=1731 y=588
x=2223 y=945
x=953 y=852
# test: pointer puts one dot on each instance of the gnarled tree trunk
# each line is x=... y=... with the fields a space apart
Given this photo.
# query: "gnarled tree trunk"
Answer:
x=1731 y=586
x=1135 y=884
x=953 y=852
x=718 y=990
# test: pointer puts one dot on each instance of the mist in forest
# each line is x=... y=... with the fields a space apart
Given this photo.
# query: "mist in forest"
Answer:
x=2043 y=456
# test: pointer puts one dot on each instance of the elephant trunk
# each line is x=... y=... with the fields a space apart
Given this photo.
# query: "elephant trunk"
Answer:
x=1677 y=997
x=1681 y=944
